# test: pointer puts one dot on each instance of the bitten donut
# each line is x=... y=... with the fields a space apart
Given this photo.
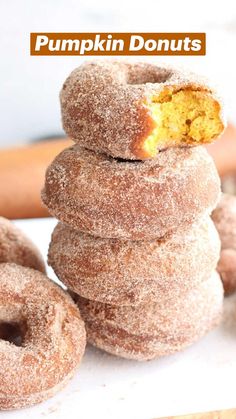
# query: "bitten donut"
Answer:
x=224 y=217
x=125 y=272
x=131 y=110
x=154 y=329
x=17 y=248
x=110 y=198
x=49 y=337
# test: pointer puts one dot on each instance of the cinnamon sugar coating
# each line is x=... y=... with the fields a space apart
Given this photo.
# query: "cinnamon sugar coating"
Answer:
x=155 y=329
x=125 y=272
x=224 y=217
x=52 y=334
x=131 y=110
x=141 y=200
x=15 y=247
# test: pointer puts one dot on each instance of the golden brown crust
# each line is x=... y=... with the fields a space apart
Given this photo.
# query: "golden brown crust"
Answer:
x=110 y=198
x=15 y=247
x=154 y=329
x=125 y=272
x=52 y=332
x=224 y=217
x=105 y=105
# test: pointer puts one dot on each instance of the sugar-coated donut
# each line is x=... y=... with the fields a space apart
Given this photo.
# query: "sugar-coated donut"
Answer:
x=131 y=110
x=227 y=270
x=154 y=329
x=224 y=217
x=51 y=332
x=125 y=272
x=110 y=198
x=15 y=247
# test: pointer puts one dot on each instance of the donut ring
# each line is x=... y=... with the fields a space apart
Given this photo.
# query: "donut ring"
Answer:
x=52 y=333
x=131 y=110
x=15 y=247
x=129 y=272
x=156 y=329
x=224 y=217
x=110 y=198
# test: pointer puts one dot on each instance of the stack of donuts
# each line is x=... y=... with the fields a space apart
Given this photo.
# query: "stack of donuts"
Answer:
x=135 y=243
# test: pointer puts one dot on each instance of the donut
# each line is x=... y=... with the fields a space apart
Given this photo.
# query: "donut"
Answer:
x=50 y=337
x=154 y=329
x=15 y=247
x=125 y=272
x=227 y=270
x=110 y=198
x=132 y=110
x=224 y=217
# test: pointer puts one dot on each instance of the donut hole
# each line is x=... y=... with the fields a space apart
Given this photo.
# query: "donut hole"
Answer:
x=12 y=332
x=144 y=76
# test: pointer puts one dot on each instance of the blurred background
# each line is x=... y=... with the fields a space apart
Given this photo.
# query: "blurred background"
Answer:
x=29 y=105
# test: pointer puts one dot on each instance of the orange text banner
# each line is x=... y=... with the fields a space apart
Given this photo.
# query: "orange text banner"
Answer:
x=47 y=43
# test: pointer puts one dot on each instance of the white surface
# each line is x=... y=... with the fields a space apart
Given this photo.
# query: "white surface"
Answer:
x=200 y=378
x=29 y=86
